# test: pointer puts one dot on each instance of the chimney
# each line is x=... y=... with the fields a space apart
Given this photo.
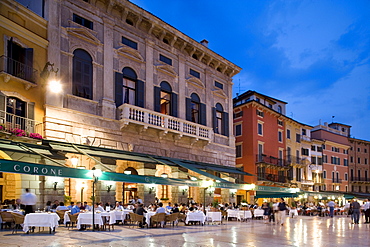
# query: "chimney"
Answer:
x=204 y=42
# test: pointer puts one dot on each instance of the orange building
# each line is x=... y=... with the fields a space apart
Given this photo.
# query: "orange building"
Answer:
x=260 y=138
x=335 y=155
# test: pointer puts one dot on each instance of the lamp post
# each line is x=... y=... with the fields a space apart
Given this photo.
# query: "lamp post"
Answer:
x=95 y=175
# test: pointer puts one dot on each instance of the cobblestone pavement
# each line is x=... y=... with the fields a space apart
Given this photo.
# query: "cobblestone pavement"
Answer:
x=300 y=231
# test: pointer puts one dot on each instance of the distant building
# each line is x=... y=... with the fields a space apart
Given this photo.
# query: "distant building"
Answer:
x=359 y=167
x=335 y=155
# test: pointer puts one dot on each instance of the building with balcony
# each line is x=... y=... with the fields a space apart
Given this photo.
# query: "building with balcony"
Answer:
x=358 y=165
x=23 y=55
x=335 y=155
x=132 y=82
x=315 y=169
x=260 y=135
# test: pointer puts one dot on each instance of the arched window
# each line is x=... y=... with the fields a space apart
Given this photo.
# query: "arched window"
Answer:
x=279 y=109
x=129 y=86
x=220 y=120
x=195 y=110
x=165 y=101
x=82 y=74
x=128 y=89
x=219 y=111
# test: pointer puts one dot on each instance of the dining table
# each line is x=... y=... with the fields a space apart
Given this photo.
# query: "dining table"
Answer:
x=214 y=216
x=148 y=215
x=41 y=220
x=197 y=216
x=87 y=219
x=258 y=213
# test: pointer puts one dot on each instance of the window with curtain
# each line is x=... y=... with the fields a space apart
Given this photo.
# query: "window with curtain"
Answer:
x=195 y=108
x=129 y=86
x=82 y=74
x=165 y=100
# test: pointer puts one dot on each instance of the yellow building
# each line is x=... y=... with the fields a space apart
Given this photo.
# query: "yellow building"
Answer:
x=23 y=55
x=298 y=154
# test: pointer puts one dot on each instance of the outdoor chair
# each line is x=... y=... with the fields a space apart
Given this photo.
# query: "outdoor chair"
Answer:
x=18 y=221
x=136 y=218
x=61 y=213
x=7 y=219
x=157 y=219
x=172 y=218
x=72 y=220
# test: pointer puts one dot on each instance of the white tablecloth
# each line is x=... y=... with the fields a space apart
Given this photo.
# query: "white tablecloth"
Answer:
x=214 y=216
x=87 y=219
x=232 y=214
x=121 y=215
x=195 y=216
x=258 y=212
x=66 y=217
x=40 y=220
x=110 y=217
x=244 y=214
x=147 y=217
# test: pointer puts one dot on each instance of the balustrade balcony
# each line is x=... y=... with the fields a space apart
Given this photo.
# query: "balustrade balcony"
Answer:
x=130 y=114
x=270 y=160
x=360 y=180
x=17 y=69
x=336 y=180
x=13 y=123
x=271 y=177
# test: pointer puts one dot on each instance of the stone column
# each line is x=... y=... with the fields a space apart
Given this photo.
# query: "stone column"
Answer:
x=182 y=88
x=53 y=16
x=149 y=75
x=107 y=102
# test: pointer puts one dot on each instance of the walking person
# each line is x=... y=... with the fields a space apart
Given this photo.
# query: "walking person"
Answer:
x=367 y=211
x=266 y=212
x=282 y=211
x=356 y=211
x=29 y=200
x=331 y=206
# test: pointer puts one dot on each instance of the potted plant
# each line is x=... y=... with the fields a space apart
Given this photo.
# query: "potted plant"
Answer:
x=67 y=199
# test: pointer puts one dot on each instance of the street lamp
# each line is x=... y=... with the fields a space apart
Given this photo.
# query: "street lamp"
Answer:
x=96 y=173
x=206 y=184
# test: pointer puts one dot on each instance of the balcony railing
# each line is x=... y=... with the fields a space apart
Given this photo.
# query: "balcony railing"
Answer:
x=17 y=69
x=336 y=180
x=305 y=138
x=271 y=177
x=11 y=122
x=360 y=179
x=148 y=118
x=262 y=158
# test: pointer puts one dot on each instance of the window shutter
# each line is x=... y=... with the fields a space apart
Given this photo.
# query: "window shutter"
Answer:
x=225 y=124
x=2 y=108
x=174 y=105
x=29 y=64
x=188 y=109
x=203 y=114
x=31 y=110
x=157 y=99
x=140 y=92
x=118 y=78
x=214 y=119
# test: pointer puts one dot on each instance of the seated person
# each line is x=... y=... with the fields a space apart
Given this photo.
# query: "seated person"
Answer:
x=71 y=206
x=61 y=206
x=118 y=206
x=160 y=209
x=169 y=207
x=175 y=209
x=140 y=211
x=18 y=205
x=98 y=207
x=87 y=207
x=76 y=209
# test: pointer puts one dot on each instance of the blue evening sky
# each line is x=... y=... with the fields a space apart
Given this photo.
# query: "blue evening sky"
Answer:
x=312 y=54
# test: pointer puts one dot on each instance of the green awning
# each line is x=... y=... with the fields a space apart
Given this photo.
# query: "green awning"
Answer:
x=264 y=194
x=192 y=168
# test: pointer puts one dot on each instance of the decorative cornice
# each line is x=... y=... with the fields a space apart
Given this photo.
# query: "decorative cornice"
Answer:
x=195 y=82
x=130 y=53
x=84 y=33
x=167 y=69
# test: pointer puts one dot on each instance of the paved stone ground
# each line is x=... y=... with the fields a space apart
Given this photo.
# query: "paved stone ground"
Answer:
x=300 y=231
